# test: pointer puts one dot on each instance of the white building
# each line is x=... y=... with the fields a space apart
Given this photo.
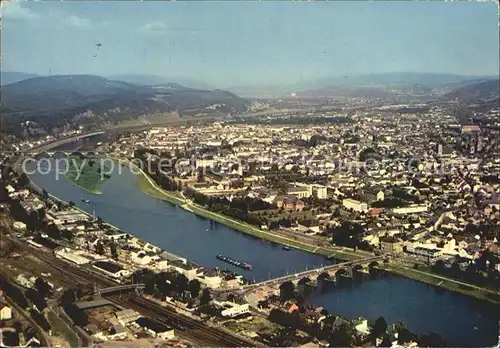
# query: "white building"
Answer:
x=184 y=268
x=211 y=281
x=5 y=313
x=411 y=209
x=152 y=248
x=141 y=258
x=231 y=309
x=127 y=316
x=321 y=192
x=69 y=255
x=19 y=226
x=429 y=251
x=355 y=205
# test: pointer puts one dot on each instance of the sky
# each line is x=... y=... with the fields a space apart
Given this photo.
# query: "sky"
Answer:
x=229 y=43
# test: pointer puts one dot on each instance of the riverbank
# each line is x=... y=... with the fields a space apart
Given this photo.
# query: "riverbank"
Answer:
x=148 y=186
x=444 y=282
x=146 y=183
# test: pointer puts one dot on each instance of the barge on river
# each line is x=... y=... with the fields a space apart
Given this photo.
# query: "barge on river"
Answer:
x=234 y=262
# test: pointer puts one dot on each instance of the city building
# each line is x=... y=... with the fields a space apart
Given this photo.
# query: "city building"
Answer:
x=355 y=205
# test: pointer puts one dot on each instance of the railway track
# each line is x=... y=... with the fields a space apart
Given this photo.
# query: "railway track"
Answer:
x=197 y=332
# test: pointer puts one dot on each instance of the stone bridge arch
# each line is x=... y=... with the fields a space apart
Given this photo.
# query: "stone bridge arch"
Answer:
x=59 y=154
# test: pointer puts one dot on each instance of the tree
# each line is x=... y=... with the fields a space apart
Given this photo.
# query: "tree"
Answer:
x=23 y=180
x=43 y=287
x=404 y=335
x=438 y=267
x=67 y=234
x=45 y=194
x=114 y=251
x=379 y=327
x=205 y=297
x=287 y=291
x=71 y=204
x=17 y=326
x=181 y=282
x=201 y=175
x=36 y=298
x=194 y=288
x=343 y=336
x=99 y=248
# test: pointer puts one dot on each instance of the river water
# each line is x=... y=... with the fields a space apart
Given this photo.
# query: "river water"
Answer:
x=460 y=320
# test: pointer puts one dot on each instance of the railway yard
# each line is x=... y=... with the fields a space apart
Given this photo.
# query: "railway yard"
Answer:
x=18 y=257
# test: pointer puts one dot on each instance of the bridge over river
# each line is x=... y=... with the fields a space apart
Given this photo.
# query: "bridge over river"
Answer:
x=312 y=274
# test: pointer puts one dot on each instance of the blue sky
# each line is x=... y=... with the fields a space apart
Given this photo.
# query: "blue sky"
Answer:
x=232 y=43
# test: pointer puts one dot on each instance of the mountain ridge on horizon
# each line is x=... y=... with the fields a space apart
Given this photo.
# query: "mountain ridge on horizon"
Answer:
x=388 y=78
x=55 y=101
x=396 y=79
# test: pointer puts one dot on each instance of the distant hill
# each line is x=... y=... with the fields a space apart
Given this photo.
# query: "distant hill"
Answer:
x=151 y=80
x=400 y=79
x=7 y=77
x=56 y=101
x=359 y=85
x=484 y=90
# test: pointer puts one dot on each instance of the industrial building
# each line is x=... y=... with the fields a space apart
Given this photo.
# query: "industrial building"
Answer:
x=111 y=269
x=69 y=255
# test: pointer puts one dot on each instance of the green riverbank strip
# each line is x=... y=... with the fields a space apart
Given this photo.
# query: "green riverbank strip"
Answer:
x=146 y=183
x=153 y=190
x=86 y=174
x=444 y=282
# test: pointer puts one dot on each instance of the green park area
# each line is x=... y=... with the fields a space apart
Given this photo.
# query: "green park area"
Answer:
x=87 y=173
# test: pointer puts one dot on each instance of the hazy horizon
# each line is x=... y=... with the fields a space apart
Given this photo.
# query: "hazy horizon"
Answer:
x=226 y=44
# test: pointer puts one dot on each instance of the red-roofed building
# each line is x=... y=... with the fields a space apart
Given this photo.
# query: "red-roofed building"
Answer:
x=293 y=308
x=375 y=211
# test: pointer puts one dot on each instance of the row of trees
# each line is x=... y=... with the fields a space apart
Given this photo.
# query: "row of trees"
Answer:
x=113 y=248
x=482 y=272
x=238 y=208
x=172 y=284
x=339 y=332
x=76 y=314
x=36 y=295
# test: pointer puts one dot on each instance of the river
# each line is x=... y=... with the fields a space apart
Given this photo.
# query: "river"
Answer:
x=172 y=228
x=460 y=320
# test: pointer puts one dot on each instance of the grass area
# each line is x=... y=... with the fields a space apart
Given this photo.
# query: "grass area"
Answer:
x=151 y=189
x=61 y=328
x=444 y=282
x=86 y=173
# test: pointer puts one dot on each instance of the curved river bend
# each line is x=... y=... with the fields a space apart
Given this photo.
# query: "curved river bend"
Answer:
x=460 y=320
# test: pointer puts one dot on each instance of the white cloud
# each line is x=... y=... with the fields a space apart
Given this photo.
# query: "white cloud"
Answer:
x=156 y=26
x=77 y=22
x=13 y=10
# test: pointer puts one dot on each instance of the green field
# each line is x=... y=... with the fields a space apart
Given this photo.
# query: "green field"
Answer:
x=152 y=189
x=86 y=173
